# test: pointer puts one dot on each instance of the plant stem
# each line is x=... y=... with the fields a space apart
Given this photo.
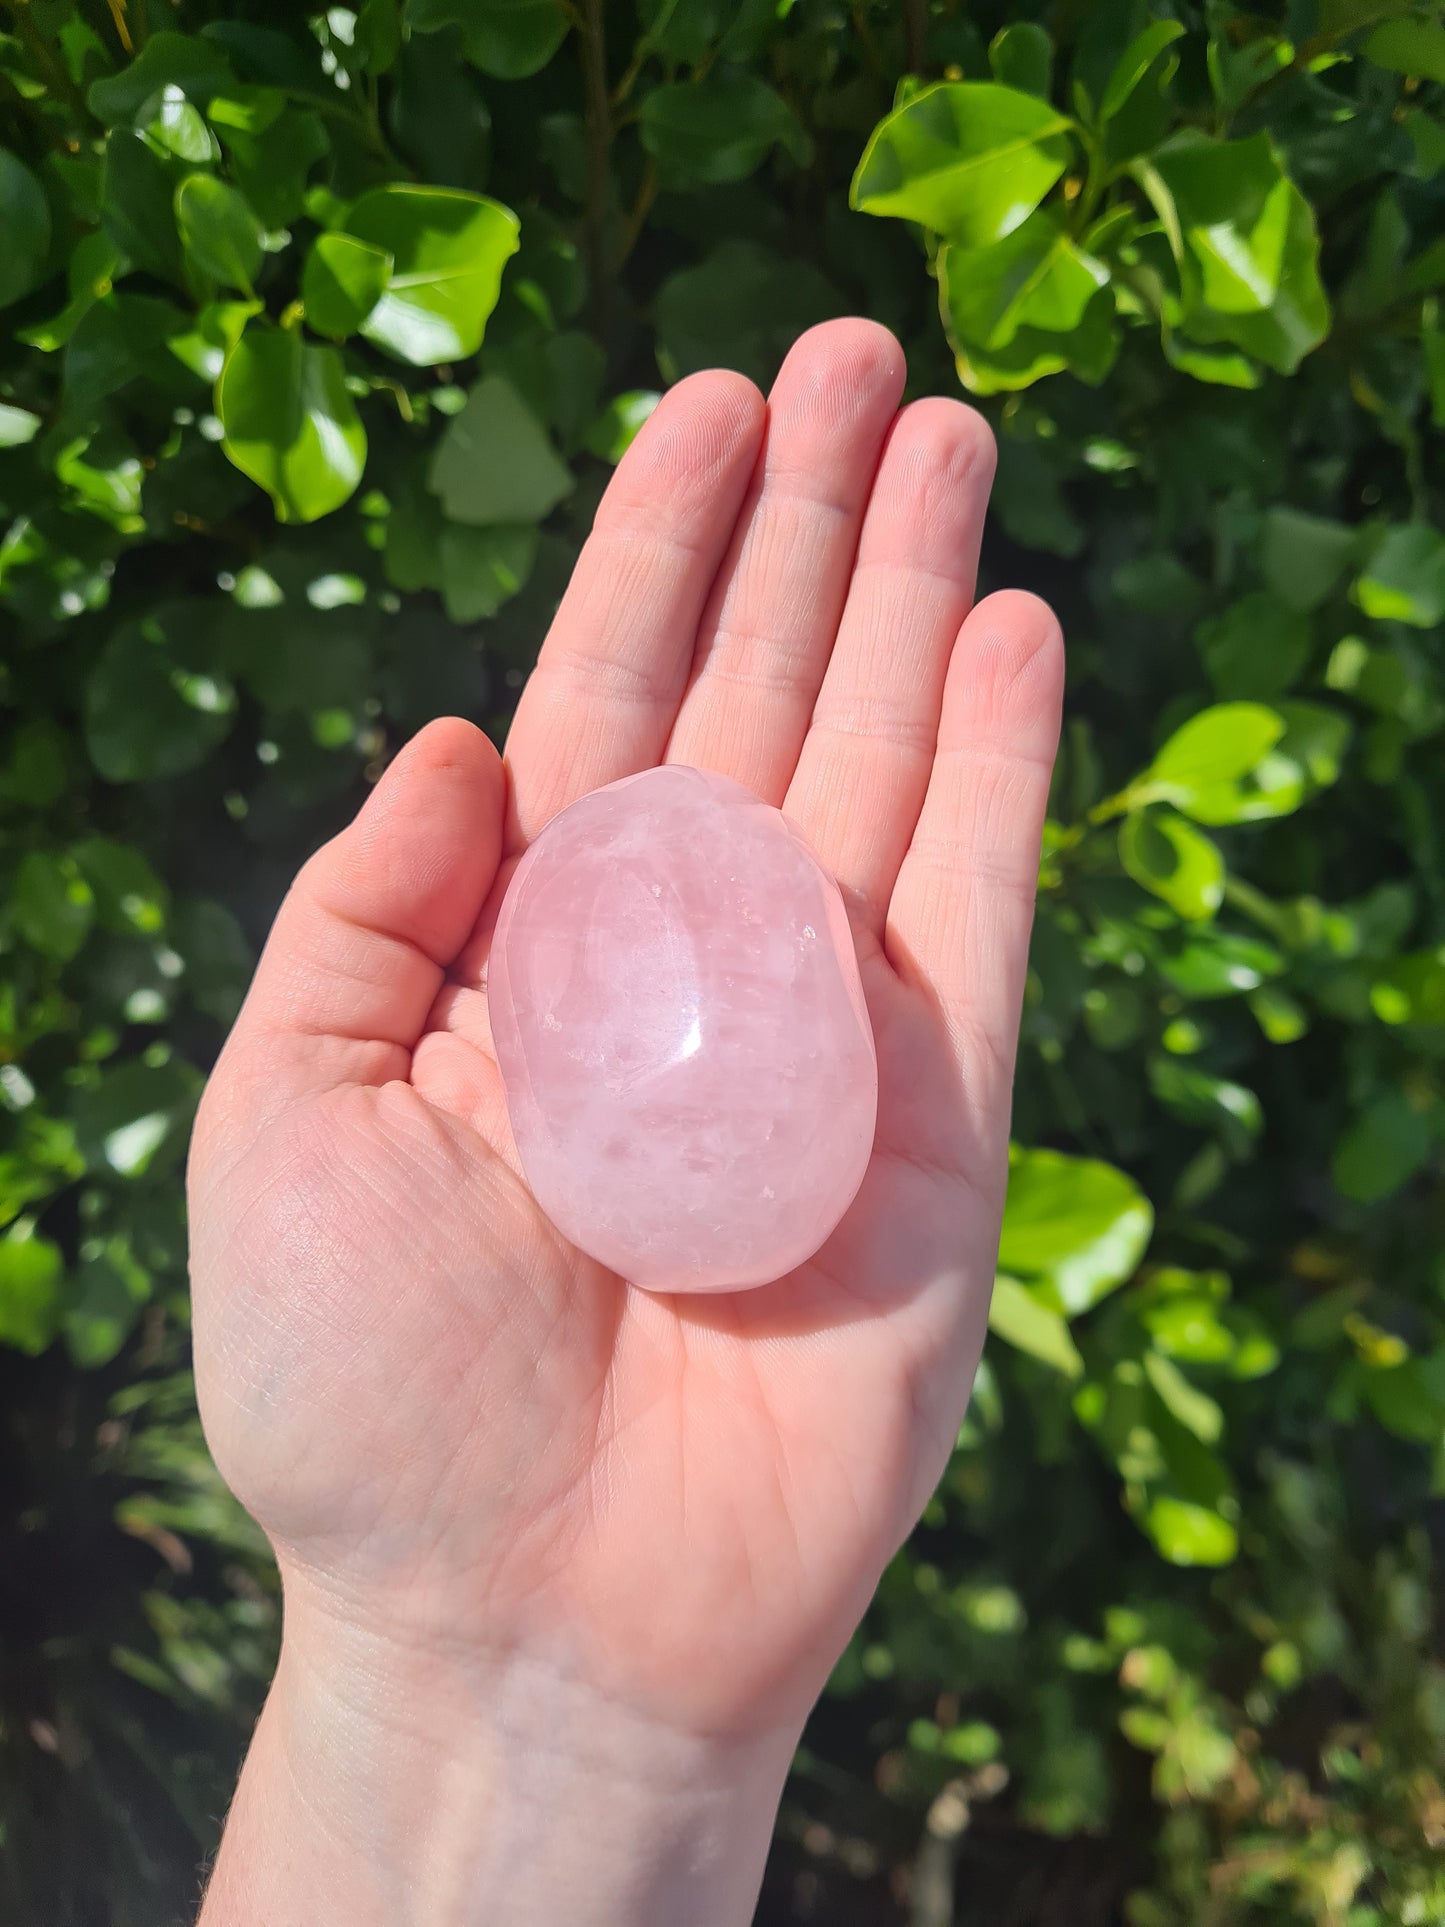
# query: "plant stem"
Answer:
x=122 y=26
x=53 y=69
x=646 y=195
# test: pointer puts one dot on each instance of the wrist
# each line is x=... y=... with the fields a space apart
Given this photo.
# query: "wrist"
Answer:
x=429 y=1789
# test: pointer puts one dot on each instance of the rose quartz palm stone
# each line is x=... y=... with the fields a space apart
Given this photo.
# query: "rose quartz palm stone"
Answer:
x=681 y=1031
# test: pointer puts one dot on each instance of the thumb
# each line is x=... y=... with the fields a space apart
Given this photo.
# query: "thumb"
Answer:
x=360 y=946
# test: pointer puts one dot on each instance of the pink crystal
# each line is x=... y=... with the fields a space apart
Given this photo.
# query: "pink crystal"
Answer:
x=681 y=1031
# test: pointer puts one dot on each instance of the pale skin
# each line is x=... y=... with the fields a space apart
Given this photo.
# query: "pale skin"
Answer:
x=567 y=1563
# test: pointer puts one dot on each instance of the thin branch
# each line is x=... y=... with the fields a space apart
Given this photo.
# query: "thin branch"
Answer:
x=122 y=26
x=53 y=70
x=641 y=207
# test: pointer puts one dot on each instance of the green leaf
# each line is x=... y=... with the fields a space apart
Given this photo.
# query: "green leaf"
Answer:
x=1303 y=556
x=1383 y=1149
x=17 y=426
x=1195 y=1410
x=106 y=1293
x=1189 y=1534
x=1087 y=351
x=1404 y=580
x=130 y=898
x=25 y=224
x=220 y=234
x=1183 y=1319
x=1244 y=240
x=1409 y=1399
x=1169 y=857
x=272 y=164
x=149 y=711
x=197 y=68
x=1017 y=1317
x=481 y=568
x=1411 y=990
x=1257 y=648
x=290 y=423
x=1229 y=1110
x=138 y=204
x=508 y=38
x=1206 y=757
x=1311 y=750
x=171 y=124
x=1135 y=61
x=1076 y=1224
x=495 y=465
x=1216 y=963
x=718 y=129
x=1415 y=47
x=613 y=432
x=52 y=904
x=969 y=159
x=135 y=1118
x=342 y=282
x=1034 y=277
x=1021 y=55
x=448 y=251
x=93 y=262
x=743 y=307
x=31 y=1271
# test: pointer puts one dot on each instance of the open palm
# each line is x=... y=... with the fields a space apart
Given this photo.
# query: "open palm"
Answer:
x=454 y=1426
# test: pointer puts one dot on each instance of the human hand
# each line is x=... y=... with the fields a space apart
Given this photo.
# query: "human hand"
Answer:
x=567 y=1563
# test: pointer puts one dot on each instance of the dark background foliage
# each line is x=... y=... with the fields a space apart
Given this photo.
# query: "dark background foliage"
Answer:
x=1166 y=1646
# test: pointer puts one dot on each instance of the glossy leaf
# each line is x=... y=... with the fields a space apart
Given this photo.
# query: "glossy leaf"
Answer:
x=448 y=251
x=1017 y=1317
x=1174 y=861
x=342 y=282
x=1207 y=756
x=1076 y=1224
x=1135 y=61
x=1216 y=1104
x=220 y=234
x=1035 y=277
x=969 y=159
x=613 y=432
x=1245 y=245
x=1189 y=1534
x=290 y=423
x=195 y=67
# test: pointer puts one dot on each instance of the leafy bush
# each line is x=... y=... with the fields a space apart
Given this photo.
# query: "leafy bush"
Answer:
x=321 y=336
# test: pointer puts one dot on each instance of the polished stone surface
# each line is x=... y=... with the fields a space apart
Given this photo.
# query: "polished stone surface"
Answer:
x=681 y=1030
